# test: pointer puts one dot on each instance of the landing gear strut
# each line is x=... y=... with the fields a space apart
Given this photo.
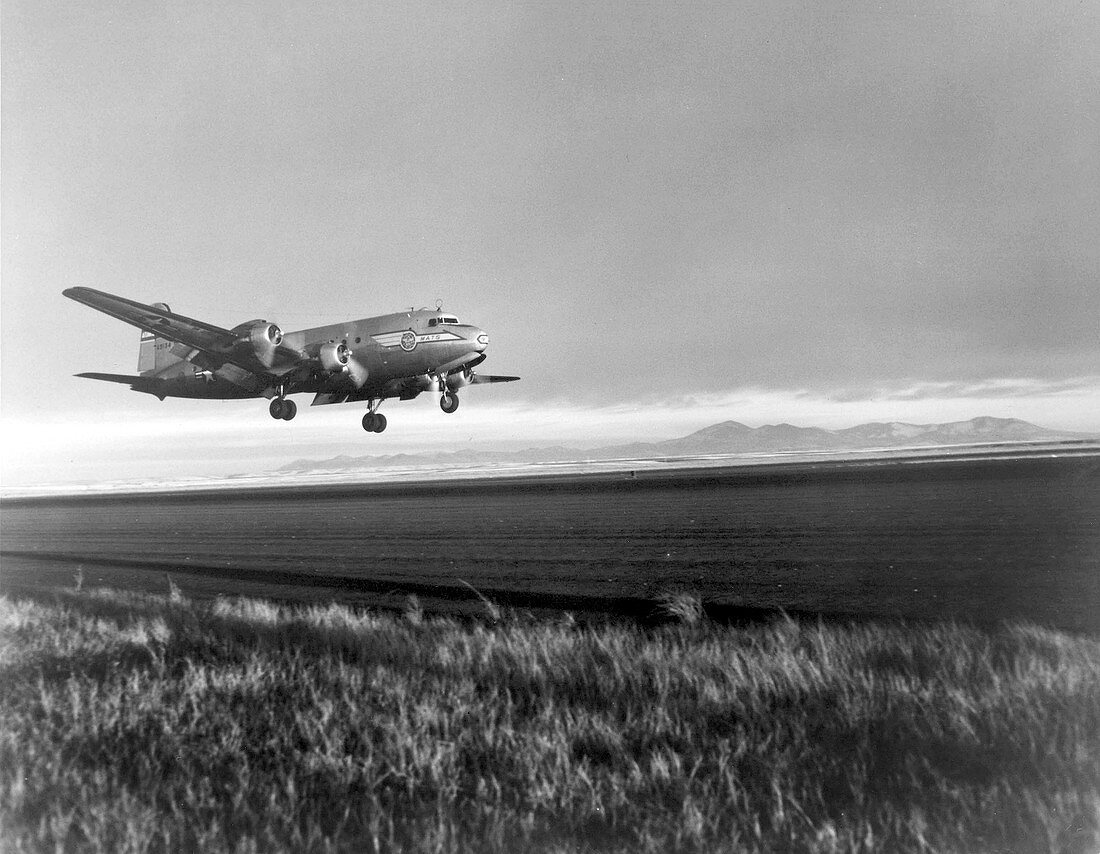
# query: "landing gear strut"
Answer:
x=448 y=401
x=373 y=422
x=281 y=408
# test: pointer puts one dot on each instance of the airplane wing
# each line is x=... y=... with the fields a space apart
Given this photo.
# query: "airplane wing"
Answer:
x=215 y=346
x=174 y=327
x=467 y=365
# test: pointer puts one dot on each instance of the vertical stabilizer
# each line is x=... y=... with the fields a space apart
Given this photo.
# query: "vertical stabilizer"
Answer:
x=154 y=354
x=147 y=357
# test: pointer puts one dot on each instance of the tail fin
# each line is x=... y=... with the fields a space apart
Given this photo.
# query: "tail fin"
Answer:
x=154 y=354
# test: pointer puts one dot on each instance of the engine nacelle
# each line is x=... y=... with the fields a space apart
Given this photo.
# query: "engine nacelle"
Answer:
x=334 y=356
x=455 y=381
x=460 y=379
x=261 y=339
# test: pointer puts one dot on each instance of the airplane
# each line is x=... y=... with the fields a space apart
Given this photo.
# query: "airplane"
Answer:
x=394 y=355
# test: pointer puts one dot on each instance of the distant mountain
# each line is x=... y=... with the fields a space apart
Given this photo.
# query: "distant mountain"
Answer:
x=734 y=437
x=730 y=437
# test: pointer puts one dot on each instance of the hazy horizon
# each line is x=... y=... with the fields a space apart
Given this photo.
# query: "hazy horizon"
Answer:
x=139 y=443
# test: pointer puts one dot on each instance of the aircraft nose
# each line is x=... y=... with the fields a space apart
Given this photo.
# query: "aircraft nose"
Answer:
x=480 y=339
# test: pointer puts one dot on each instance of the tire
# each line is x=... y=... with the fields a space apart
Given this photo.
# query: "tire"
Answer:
x=379 y=423
x=290 y=409
x=276 y=409
x=448 y=402
x=368 y=422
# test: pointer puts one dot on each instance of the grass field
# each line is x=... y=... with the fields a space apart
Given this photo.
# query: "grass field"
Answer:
x=139 y=723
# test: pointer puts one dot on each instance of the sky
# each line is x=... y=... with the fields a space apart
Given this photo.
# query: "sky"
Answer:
x=664 y=214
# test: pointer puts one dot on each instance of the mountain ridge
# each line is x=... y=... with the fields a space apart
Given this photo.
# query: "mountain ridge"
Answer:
x=732 y=437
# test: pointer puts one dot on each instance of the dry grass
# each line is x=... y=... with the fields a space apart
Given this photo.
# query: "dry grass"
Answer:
x=136 y=723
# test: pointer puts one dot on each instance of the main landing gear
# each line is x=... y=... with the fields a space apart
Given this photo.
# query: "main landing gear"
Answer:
x=373 y=422
x=282 y=409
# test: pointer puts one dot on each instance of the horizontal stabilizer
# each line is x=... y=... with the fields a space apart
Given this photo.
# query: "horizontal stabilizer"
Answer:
x=149 y=385
x=111 y=378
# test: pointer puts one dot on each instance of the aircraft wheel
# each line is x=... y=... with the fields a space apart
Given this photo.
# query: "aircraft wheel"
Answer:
x=379 y=423
x=276 y=408
x=448 y=402
x=368 y=423
x=290 y=409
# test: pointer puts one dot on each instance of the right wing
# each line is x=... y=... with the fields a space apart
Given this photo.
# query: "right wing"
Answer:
x=174 y=327
x=216 y=347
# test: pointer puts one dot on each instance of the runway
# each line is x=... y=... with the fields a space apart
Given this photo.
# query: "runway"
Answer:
x=971 y=539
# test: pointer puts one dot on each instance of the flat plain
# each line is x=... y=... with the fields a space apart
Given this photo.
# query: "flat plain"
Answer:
x=969 y=539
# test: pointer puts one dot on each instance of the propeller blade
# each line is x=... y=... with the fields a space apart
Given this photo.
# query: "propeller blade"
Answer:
x=357 y=372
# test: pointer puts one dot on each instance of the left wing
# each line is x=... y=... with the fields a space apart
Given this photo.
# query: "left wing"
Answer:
x=465 y=366
x=217 y=345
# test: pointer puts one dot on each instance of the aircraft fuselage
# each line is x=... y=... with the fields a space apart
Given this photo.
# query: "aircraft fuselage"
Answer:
x=400 y=352
x=392 y=355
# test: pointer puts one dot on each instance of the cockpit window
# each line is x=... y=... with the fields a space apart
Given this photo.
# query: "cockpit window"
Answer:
x=439 y=321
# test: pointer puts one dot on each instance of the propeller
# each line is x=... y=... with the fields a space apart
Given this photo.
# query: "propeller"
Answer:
x=337 y=358
x=357 y=372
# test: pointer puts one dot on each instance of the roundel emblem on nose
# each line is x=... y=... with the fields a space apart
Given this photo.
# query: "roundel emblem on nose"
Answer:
x=408 y=341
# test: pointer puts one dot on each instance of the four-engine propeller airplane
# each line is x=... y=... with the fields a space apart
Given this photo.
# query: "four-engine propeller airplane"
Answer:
x=394 y=355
